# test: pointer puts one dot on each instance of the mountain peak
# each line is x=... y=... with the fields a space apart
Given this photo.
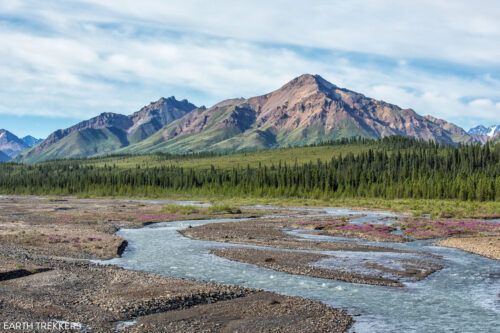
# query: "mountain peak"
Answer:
x=311 y=81
x=297 y=90
x=108 y=115
x=305 y=79
x=10 y=144
x=31 y=141
x=168 y=103
x=167 y=99
x=5 y=133
x=154 y=116
x=482 y=130
x=8 y=136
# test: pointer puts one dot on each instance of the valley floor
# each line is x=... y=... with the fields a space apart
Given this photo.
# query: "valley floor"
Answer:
x=46 y=277
x=46 y=244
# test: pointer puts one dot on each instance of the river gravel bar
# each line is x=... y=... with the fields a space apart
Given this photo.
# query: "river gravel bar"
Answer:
x=487 y=246
x=46 y=277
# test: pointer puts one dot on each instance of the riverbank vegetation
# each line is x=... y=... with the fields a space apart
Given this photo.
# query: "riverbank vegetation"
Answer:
x=190 y=210
x=385 y=174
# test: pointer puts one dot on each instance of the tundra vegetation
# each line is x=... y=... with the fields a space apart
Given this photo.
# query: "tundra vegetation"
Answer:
x=398 y=168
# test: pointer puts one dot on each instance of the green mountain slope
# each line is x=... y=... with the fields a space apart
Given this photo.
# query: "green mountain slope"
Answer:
x=306 y=110
x=108 y=132
x=87 y=142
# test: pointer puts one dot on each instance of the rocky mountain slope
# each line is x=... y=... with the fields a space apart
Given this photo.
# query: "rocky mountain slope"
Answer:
x=10 y=145
x=31 y=141
x=4 y=157
x=306 y=110
x=484 y=134
x=483 y=130
x=458 y=134
x=108 y=132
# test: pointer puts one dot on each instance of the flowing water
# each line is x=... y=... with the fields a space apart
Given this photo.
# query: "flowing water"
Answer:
x=462 y=297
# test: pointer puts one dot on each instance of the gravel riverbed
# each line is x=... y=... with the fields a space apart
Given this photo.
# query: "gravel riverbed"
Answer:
x=54 y=282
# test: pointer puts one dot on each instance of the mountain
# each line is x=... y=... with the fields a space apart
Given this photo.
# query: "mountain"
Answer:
x=108 y=132
x=4 y=157
x=493 y=131
x=153 y=117
x=483 y=130
x=31 y=141
x=483 y=134
x=306 y=110
x=458 y=134
x=10 y=145
x=478 y=130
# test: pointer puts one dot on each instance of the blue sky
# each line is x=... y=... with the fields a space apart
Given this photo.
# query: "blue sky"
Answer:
x=65 y=61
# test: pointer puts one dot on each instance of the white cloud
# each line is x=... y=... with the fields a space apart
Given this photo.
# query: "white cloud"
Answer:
x=482 y=103
x=96 y=56
x=7 y=6
x=485 y=108
x=429 y=94
x=455 y=31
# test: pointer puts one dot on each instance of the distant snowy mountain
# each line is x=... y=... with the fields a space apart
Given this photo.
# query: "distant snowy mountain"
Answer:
x=494 y=130
x=485 y=131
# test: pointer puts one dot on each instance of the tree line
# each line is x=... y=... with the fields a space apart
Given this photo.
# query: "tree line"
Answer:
x=400 y=168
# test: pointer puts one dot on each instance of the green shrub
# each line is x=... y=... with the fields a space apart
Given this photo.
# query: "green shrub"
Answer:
x=180 y=209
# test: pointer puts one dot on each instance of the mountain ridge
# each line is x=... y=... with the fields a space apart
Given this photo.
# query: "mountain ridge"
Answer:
x=10 y=144
x=306 y=110
x=484 y=134
x=107 y=132
x=31 y=141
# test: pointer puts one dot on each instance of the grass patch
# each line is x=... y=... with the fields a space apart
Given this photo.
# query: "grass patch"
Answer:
x=413 y=207
x=435 y=208
x=191 y=210
x=299 y=155
x=181 y=209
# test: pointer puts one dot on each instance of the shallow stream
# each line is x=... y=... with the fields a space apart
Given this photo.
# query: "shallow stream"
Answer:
x=462 y=297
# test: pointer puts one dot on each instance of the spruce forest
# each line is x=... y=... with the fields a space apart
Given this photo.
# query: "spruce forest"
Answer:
x=390 y=168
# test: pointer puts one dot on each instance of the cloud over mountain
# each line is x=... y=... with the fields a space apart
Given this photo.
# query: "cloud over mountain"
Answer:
x=436 y=57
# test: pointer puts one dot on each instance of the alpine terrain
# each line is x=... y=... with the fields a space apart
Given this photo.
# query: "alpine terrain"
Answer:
x=306 y=110
x=108 y=132
x=11 y=146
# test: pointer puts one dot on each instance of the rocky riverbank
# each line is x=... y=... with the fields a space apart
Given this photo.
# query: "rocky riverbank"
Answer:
x=257 y=312
x=100 y=297
x=270 y=232
x=53 y=282
x=84 y=228
x=300 y=263
x=289 y=254
x=488 y=246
